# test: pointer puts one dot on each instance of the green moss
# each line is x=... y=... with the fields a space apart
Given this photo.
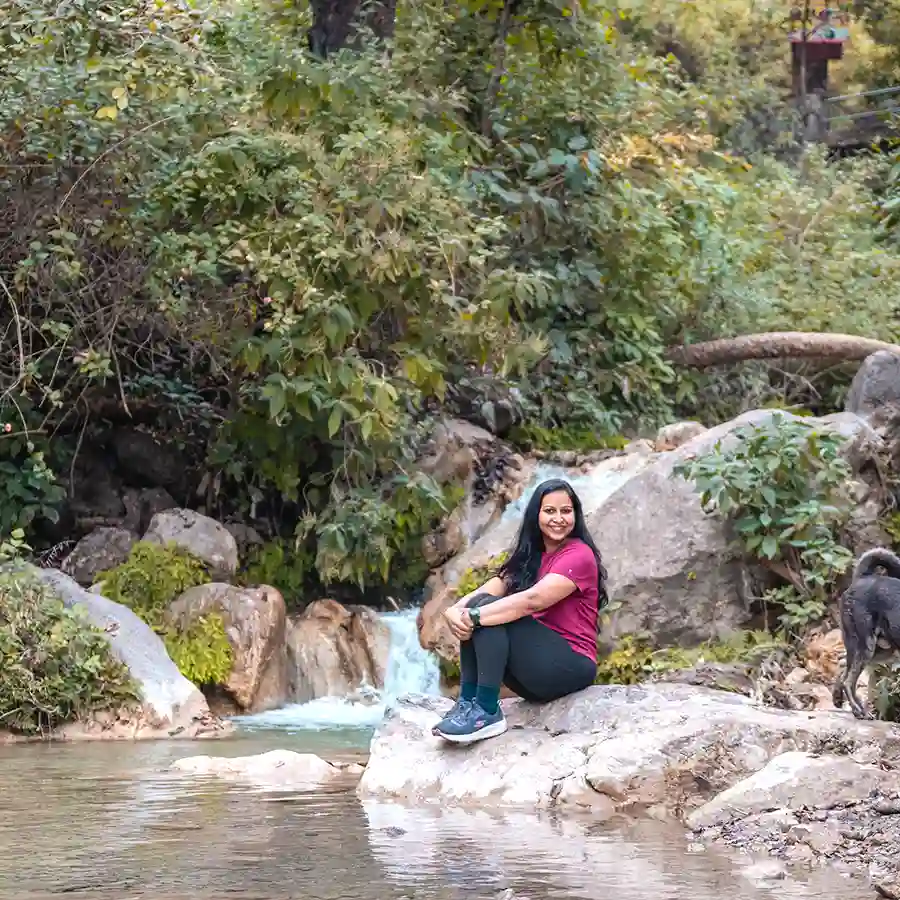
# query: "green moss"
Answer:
x=202 y=651
x=147 y=582
x=634 y=659
x=449 y=669
x=477 y=575
x=151 y=578
x=55 y=666
x=581 y=440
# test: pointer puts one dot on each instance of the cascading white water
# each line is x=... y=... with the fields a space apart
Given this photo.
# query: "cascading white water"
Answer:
x=410 y=670
x=592 y=487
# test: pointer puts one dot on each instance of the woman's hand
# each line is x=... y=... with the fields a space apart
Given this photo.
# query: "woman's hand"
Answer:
x=459 y=622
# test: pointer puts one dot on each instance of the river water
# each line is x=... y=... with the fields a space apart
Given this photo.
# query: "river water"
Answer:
x=111 y=822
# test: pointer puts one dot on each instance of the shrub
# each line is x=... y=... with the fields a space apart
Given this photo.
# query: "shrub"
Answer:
x=634 y=659
x=147 y=582
x=55 y=667
x=781 y=484
x=151 y=578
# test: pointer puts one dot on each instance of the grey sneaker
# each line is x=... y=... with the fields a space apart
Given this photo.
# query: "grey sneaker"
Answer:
x=471 y=725
x=460 y=708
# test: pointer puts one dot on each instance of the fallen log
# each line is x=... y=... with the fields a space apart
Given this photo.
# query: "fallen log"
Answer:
x=777 y=345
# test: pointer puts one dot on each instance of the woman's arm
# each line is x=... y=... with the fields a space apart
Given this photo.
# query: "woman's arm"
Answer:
x=549 y=590
x=496 y=586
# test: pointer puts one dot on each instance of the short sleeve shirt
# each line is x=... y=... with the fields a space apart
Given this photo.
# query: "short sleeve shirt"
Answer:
x=575 y=616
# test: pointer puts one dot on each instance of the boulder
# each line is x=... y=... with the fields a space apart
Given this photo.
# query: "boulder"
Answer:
x=333 y=650
x=276 y=770
x=103 y=549
x=875 y=385
x=142 y=505
x=664 y=749
x=255 y=623
x=672 y=569
x=671 y=437
x=172 y=707
x=794 y=780
x=671 y=565
x=205 y=538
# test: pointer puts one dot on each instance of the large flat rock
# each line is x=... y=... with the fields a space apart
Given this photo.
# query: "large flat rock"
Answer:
x=665 y=749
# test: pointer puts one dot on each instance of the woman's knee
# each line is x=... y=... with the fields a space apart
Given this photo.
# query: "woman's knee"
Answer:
x=481 y=599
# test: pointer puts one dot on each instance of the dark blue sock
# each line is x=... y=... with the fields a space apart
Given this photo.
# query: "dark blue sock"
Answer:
x=467 y=690
x=488 y=698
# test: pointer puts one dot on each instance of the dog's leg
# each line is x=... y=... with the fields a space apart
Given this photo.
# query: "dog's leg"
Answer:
x=837 y=691
x=857 y=659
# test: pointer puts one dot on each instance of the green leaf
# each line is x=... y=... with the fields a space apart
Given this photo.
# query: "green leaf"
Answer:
x=334 y=421
x=769 y=548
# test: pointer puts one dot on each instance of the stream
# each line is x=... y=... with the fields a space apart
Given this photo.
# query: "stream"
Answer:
x=108 y=821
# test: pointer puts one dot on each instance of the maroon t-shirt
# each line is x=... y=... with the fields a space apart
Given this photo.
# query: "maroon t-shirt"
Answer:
x=575 y=616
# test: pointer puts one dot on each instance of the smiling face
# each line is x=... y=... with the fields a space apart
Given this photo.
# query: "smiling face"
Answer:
x=556 y=518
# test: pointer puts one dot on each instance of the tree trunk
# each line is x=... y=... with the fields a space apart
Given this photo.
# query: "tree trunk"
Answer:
x=777 y=345
x=340 y=23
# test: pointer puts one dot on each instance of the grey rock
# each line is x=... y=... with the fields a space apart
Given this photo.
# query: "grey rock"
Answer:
x=200 y=535
x=661 y=747
x=875 y=385
x=101 y=550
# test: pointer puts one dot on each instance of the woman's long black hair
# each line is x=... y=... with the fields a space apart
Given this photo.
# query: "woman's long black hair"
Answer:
x=520 y=571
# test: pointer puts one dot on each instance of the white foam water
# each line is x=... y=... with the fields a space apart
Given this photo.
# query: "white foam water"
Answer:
x=593 y=487
x=410 y=670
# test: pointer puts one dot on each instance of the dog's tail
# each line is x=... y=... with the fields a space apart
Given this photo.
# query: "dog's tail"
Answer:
x=879 y=558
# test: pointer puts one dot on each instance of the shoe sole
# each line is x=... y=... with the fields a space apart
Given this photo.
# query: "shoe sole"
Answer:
x=488 y=731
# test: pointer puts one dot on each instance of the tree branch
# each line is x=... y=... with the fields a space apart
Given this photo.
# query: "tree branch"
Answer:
x=776 y=345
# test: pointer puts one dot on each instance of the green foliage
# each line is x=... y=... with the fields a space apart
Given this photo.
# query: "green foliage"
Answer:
x=55 y=667
x=13 y=547
x=891 y=524
x=533 y=437
x=28 y=488
x=202 y=650
x=884 y=691
x=311 y=256
x=782 y=484
x=151 y=578
x=634 y=659
x=147 y=582
x=477 y=575
x=282 y=565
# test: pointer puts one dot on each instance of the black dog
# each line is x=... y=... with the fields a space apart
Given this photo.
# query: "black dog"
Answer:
x=870 y=623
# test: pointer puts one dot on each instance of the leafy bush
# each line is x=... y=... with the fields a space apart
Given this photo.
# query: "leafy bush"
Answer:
x=55 y=667
x=782 y=485
x=307 y=252
x=147 y=583
x=281 y=565
x=151 y=578
x=634 y=658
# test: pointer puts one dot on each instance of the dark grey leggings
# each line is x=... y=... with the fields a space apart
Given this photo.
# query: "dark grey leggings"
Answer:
x=528 y=657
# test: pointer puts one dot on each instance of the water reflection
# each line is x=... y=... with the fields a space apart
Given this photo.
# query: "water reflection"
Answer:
x=108 y=821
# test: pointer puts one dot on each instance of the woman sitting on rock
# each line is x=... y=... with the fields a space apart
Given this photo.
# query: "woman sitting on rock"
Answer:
x=533 y=627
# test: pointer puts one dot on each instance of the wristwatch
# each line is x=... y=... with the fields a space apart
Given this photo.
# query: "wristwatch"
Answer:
x=475 y=617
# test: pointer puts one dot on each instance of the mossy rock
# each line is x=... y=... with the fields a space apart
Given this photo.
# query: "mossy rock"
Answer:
x=147 y=582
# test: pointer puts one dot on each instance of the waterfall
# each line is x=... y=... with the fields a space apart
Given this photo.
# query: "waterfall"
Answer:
x=593 y=487
x=410 y=670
